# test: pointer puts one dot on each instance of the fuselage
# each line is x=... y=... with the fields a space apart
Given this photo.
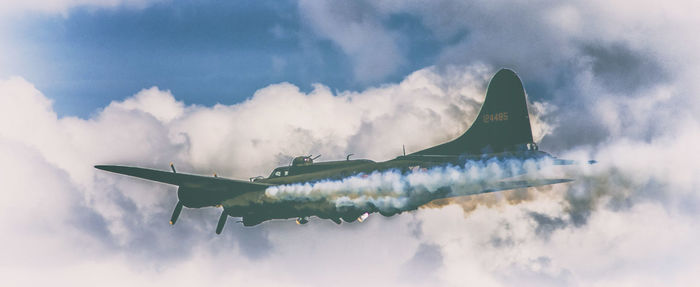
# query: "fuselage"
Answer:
x=341 y=169
x=256 y=206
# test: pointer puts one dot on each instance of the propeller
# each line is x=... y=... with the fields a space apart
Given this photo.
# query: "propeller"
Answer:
x=176 y=213
x=222 y=221
x=178 y=206
x=178 y=209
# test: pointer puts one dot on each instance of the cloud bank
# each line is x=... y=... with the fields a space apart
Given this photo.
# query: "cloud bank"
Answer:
x=617 y=84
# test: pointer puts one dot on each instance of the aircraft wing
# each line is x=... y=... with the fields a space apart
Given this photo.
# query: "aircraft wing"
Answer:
x=184 y=179
x=515 y=184
x=202 y=190
x=511 y=184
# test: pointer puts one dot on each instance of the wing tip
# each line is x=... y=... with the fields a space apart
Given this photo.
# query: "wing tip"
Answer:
x=111 y=168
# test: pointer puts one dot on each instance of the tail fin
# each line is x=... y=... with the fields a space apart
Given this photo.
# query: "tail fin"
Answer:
x=503 y=123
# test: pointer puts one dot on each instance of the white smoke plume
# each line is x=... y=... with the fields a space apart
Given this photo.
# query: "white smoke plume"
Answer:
x=390 y=192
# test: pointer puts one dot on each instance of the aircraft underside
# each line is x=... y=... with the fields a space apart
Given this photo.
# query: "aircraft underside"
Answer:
x=336 y=211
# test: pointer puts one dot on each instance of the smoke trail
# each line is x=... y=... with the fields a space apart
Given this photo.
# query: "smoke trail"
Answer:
x=392 y=191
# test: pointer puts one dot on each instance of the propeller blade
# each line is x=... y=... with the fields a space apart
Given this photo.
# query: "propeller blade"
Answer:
x=222 y=221
x=176 y=213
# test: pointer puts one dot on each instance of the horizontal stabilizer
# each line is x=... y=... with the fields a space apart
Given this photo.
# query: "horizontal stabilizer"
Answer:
x=573 y=162
x=515 y=184
x=563 y=162
x=511 y=184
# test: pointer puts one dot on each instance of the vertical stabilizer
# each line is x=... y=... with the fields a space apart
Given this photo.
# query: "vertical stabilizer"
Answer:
x=503 y=123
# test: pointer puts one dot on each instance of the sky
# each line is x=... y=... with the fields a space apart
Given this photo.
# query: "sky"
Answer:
x=240 y=87
x=205 y=52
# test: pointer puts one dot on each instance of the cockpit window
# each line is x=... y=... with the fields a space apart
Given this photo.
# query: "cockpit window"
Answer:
x=280 y=172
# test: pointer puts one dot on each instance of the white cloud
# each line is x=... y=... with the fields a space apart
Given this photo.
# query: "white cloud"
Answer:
x=356 y=29
x=625 y=48
x=629 y=220
x=101 y=224
x=159 y=104
x=76 y=207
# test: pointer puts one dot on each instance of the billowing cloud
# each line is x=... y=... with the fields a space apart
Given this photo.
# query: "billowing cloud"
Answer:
x=356 y=28
x=108 y=214
x=617 y=84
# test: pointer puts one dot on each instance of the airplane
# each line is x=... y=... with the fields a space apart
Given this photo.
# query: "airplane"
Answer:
x=500 y=133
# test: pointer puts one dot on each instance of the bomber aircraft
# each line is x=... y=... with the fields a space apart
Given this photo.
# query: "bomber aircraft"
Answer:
x=501 y=132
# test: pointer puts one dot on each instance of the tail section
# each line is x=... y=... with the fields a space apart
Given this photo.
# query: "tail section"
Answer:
x=503 y=123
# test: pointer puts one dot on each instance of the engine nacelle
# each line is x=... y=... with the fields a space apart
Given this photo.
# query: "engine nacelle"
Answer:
x=251 y=220
x=196 y=198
